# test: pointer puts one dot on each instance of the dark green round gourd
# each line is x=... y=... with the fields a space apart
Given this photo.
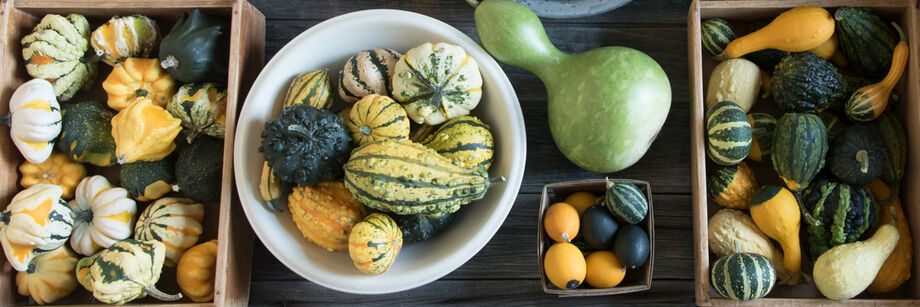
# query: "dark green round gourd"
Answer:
x=894 y=139
x=804 y=82
x=86 y=133
x=856 y=156
x=728 y=133
x=832 y=123
x=844 y=214
x=768 y=58
x=419 y=227
x=598 y=227
x=631 y=246
x=866 y=40
x=148 y=180
x=199 y=168
x=716 y=34
x=743 y=276
x=799 y=148
x=196 y=49
x=623 y=95
x=305 y=145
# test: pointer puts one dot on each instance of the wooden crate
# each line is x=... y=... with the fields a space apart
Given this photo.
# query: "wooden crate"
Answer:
x=638 y=279
x=905 y=12
x=224 y=221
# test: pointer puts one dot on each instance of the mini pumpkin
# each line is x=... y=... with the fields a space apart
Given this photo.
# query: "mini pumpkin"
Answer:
x=58 y=50
x=437 y=82
x=136 y=79
x=125 y=271
x=103 y=214
x=374 y=243
x=201 y=107
x=35 y=222
x=325 y=213
x=144 y=132
x=58 y=169
x=175 y=222
x=125 y=37
x=368 y=72
x=49 y=277
x=195 y=273
x=376 y=118
x=34 y=120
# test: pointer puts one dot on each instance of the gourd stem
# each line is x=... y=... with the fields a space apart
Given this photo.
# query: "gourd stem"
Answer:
x=160 y=295
x=474 y=3
x=299 y=129
x=895 y=190
x=5 y=119
x=170 y=62
x=494 y=181
x=93 y=57
x=193 y=135
x=808 y=218
x=4 y=219
x=862 y=156
x=84 y=215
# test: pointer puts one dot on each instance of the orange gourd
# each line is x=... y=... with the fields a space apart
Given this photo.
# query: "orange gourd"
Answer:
x=325 y=213
x=776 y=212
x=796 y=30
x=144 y=131
x=896 y=269
x=870 y=101
x=561 y=222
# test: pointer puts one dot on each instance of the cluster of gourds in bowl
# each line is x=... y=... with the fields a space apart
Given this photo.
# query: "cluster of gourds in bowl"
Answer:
x=367 y=179
x=840 y=153
x=132 y=135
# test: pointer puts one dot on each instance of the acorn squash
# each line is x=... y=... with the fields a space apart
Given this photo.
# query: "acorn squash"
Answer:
x=136 y=79
x=58 y=169
x=305 y=145
x=199 y=169
x=86 y=134
x=175 y=222
x=49 y=277
x=437 y=82
x=103 y=214
x=127 y=270
x=35 y=222
x=857 y=156
x=58 y=50
x=148 y=180
x=197 y=49
x=144 y=132
x=202 y=108
x=125 y=37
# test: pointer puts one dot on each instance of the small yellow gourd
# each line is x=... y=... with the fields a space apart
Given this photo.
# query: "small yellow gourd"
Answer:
x=196 y=270
x=325 y=213
x=57 y=169
x=144 y=132
x=776 y=212
x=374 y=243
x=896 y=269
x=138 y=78
x=827 y=49
x=796 y=30
x=49 y=277
x=564 y=265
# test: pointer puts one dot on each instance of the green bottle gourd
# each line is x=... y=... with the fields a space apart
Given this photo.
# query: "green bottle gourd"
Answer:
x=621 y=95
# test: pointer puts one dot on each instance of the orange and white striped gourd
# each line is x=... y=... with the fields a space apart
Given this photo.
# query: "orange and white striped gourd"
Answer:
x=796 y=30
x=35 y=222
x=125 y=37
x=102 y=214
x=175 y=222
x=868 y=102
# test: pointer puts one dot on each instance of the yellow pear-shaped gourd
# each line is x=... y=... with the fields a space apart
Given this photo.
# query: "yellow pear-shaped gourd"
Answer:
x=144 y=132
x=776 y=212
x=796 y=30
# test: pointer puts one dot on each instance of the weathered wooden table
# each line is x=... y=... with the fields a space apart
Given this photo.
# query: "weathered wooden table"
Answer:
x=506 y=270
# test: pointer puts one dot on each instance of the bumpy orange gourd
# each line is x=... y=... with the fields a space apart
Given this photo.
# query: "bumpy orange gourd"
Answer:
x=796 y=30
x=57 y=169
x=138 y=78
x=144 y=132
x=896 y=269
x=195 y=272
x=325 y=213
x=776 y=212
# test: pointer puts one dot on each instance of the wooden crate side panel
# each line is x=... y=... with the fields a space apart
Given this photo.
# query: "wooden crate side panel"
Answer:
x=698 y=168
x=911 y=117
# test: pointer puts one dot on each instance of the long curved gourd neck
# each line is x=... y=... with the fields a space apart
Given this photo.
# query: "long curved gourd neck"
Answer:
x=160 y=295
x=514 y=35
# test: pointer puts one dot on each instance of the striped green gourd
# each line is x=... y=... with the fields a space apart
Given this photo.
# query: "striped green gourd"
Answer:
x=799 y=148
x=844 y=213
x=728 y=133
x=743 y=276
x=626 y=201
x=832 y=124
x=716 y=34
x=894 y=139
x=404 y=177
x=866 y=41
x=466 y=140
x=762 y=127
x=732 y=186
x=313 y=88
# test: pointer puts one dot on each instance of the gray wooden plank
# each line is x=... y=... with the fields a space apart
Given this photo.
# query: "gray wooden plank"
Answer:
x=638 y=11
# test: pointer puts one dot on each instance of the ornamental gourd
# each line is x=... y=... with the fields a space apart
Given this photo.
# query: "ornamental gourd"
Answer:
x=625 y=201
x=199 y=168
x=796 y=30
x=196 y=270
x=735 y=80
x=35 y=222
x=762 y=127
x=466 y=140
x=857 y=156
x=270 y=188
x=733 y=231
x=728 y=133
x=125 y=37
x=103 y=214
x=86 y=133
x=49 y=277
x=868 y=102
x=407 y=178
x=846 y=270
x=376 y=118
x=325 y=213
x=136 y=79
x=799 y=148
x=776 y=212
x=742 y=276
x=305 y=145
x=418 y=227
x=437 y=82
x=894 y=138
x=202 y=108
x=732 y=186
x=312 y=88
x=374 y=244
x=148 y=180
x=716 y=34
x=197 y=49
x=58 y=169
x=127 y=270
x=144 y=132
x=843 y=214
x=175 y=222
x=58 y=51
x=368 y=72
x=34 y=120
x=897 y=267
x=866 y=40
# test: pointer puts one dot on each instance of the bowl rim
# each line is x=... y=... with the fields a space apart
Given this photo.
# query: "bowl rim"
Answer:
x=515 y=173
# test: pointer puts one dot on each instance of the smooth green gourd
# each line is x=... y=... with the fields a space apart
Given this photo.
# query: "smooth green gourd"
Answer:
x=606 y=105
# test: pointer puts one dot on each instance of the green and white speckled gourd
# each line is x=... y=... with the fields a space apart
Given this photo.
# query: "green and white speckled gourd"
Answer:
x=620 y=95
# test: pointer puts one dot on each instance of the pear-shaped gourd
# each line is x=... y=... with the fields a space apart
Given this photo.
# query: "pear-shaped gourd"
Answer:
x=606 y=105
x=34 y=120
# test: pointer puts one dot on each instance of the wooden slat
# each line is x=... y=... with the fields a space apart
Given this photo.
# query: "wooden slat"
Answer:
x=698 y=171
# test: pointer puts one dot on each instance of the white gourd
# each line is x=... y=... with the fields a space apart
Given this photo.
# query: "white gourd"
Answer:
x=732 y=231
x=35 y=119
x=736 y=80
x=846 y=270
x=103 y=214
x=36 y=221
x=437 y=82
x=175 y=222
x=368 y=72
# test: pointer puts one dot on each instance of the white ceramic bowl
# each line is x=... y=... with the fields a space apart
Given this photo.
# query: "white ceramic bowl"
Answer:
x=327 y=45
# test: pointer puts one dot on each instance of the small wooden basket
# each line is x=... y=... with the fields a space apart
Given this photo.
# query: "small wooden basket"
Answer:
x=638 y=279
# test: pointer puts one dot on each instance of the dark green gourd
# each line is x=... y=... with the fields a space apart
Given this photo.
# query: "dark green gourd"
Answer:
x=866 y=40
x=196 y=49
x=716 y=34
x=857 y=156
x=199 y=168
x=605 y=106
x=86 y=133
x=799 y=148
x=844 y=214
